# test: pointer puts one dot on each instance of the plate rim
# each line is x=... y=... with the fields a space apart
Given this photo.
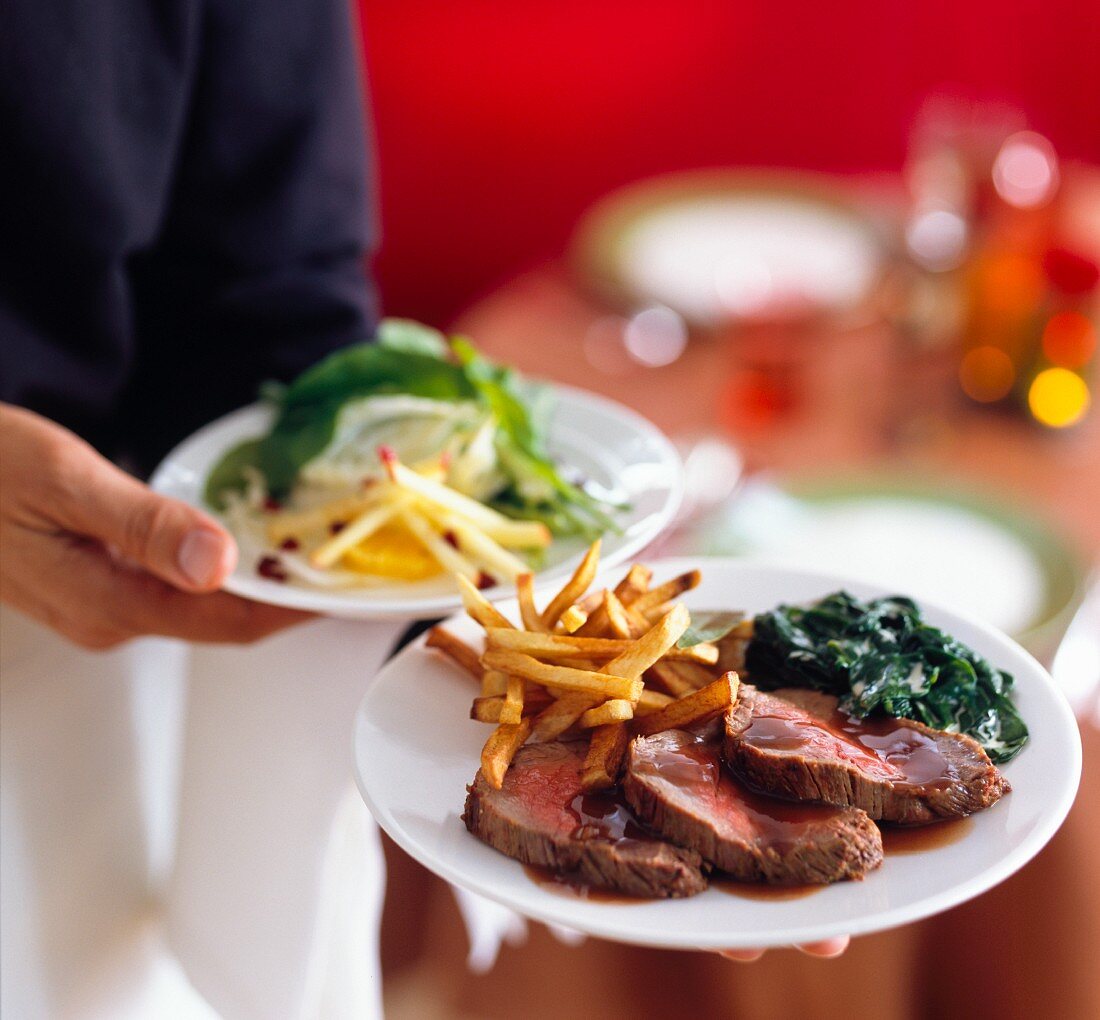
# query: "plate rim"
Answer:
x=1046 y=827
x=324 y=603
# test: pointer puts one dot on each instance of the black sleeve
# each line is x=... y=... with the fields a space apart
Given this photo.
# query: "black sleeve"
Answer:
x=260 y=267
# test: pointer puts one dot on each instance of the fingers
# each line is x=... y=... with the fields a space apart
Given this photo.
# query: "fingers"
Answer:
x=97 y=602
x=827 y=949
x=59 y=483
x=173 y=541
x=742 y=955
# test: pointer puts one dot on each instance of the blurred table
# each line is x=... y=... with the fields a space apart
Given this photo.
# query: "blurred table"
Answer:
x=863 y=403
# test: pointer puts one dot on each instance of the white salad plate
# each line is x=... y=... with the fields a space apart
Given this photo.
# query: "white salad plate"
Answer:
x=416 y=750
x=615 y=448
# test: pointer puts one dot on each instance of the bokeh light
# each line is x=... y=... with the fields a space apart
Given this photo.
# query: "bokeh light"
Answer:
x=1058 y=397
x=1069 y=339
x=986 y=374
x=1025 y=172
x=656 y=336
x=937 y=239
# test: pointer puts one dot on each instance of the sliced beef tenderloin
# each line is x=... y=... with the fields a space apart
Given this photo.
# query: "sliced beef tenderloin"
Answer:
x=676 y=783
x=542 y=817
x=795 y=743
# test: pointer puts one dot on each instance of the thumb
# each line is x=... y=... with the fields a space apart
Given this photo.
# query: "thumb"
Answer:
x=174 y=541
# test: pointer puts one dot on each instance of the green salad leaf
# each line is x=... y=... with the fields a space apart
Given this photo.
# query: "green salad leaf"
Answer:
x=708 y=626
x=415 y=360
x=881 y=656
x=230 y=473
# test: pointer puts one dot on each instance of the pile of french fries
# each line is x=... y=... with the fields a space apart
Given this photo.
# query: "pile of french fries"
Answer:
x=606 y=665
x=461 y=535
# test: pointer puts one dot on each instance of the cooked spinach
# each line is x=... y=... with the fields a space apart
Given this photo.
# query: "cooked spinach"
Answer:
x=881 y=656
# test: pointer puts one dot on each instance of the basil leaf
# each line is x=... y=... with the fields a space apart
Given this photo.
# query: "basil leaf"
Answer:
x=228 y=474
x=412 y=336
x=311 y=404
x=708 y=626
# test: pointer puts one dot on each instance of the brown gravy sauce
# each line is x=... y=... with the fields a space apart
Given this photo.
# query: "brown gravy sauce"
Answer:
x=694 y=766
x=603 y=816
x=566 y=884
x=606 y=815
x=909 y=757
x=915 y=839
x=763 y=891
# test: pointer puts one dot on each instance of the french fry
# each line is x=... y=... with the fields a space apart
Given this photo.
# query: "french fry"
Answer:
x=557 y=717
x=478 y=607
x=575 y=587
x=493 y=682
x=569 y=646
x=521 y=534
x=668 y=676
x=573 y=619
x=591 y=602
x=600 y=685
x=651 y=645
x=365 y=525
x=295 y=523
x=525 y=591
x=696 y=674
x=618 y=620
x=634 y=585
x=603 y=764
x=536 y=698
x=596 y=624
x=455 y=649
x=614 y=710
x=652 y=701
x=492 y=709
x=448 y=557
x=486 y=710
x=501 y=748
x=667 y=592
x=512 y=712
x=697 y=707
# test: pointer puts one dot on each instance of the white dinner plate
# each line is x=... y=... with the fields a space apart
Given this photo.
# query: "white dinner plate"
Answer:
x=605 y=442
x=717 y=246
x=416 y=750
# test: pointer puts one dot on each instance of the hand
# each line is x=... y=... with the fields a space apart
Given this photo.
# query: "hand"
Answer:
x=100 y=558
x=827 y=950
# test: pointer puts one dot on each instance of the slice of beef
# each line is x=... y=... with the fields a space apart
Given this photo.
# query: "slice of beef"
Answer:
x=795 y=743
x=676 y=783
x=542 y=817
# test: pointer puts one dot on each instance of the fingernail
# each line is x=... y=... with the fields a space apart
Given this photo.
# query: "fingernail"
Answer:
x=201 y=555
x=742 y=955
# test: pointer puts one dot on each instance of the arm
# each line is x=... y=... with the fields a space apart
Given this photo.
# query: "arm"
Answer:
x=260 y=268
x=257 y=271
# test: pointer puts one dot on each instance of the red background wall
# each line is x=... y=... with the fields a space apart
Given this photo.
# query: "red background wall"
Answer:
x=498 y=122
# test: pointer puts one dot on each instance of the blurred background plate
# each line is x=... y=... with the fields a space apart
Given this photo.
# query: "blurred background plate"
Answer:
x=725 y=245
x=964 y=549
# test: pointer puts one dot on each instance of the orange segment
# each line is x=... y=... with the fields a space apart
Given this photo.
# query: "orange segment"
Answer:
x=392 y=551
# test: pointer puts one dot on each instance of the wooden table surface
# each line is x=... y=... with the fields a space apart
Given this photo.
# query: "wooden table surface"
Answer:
x=863 y=403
